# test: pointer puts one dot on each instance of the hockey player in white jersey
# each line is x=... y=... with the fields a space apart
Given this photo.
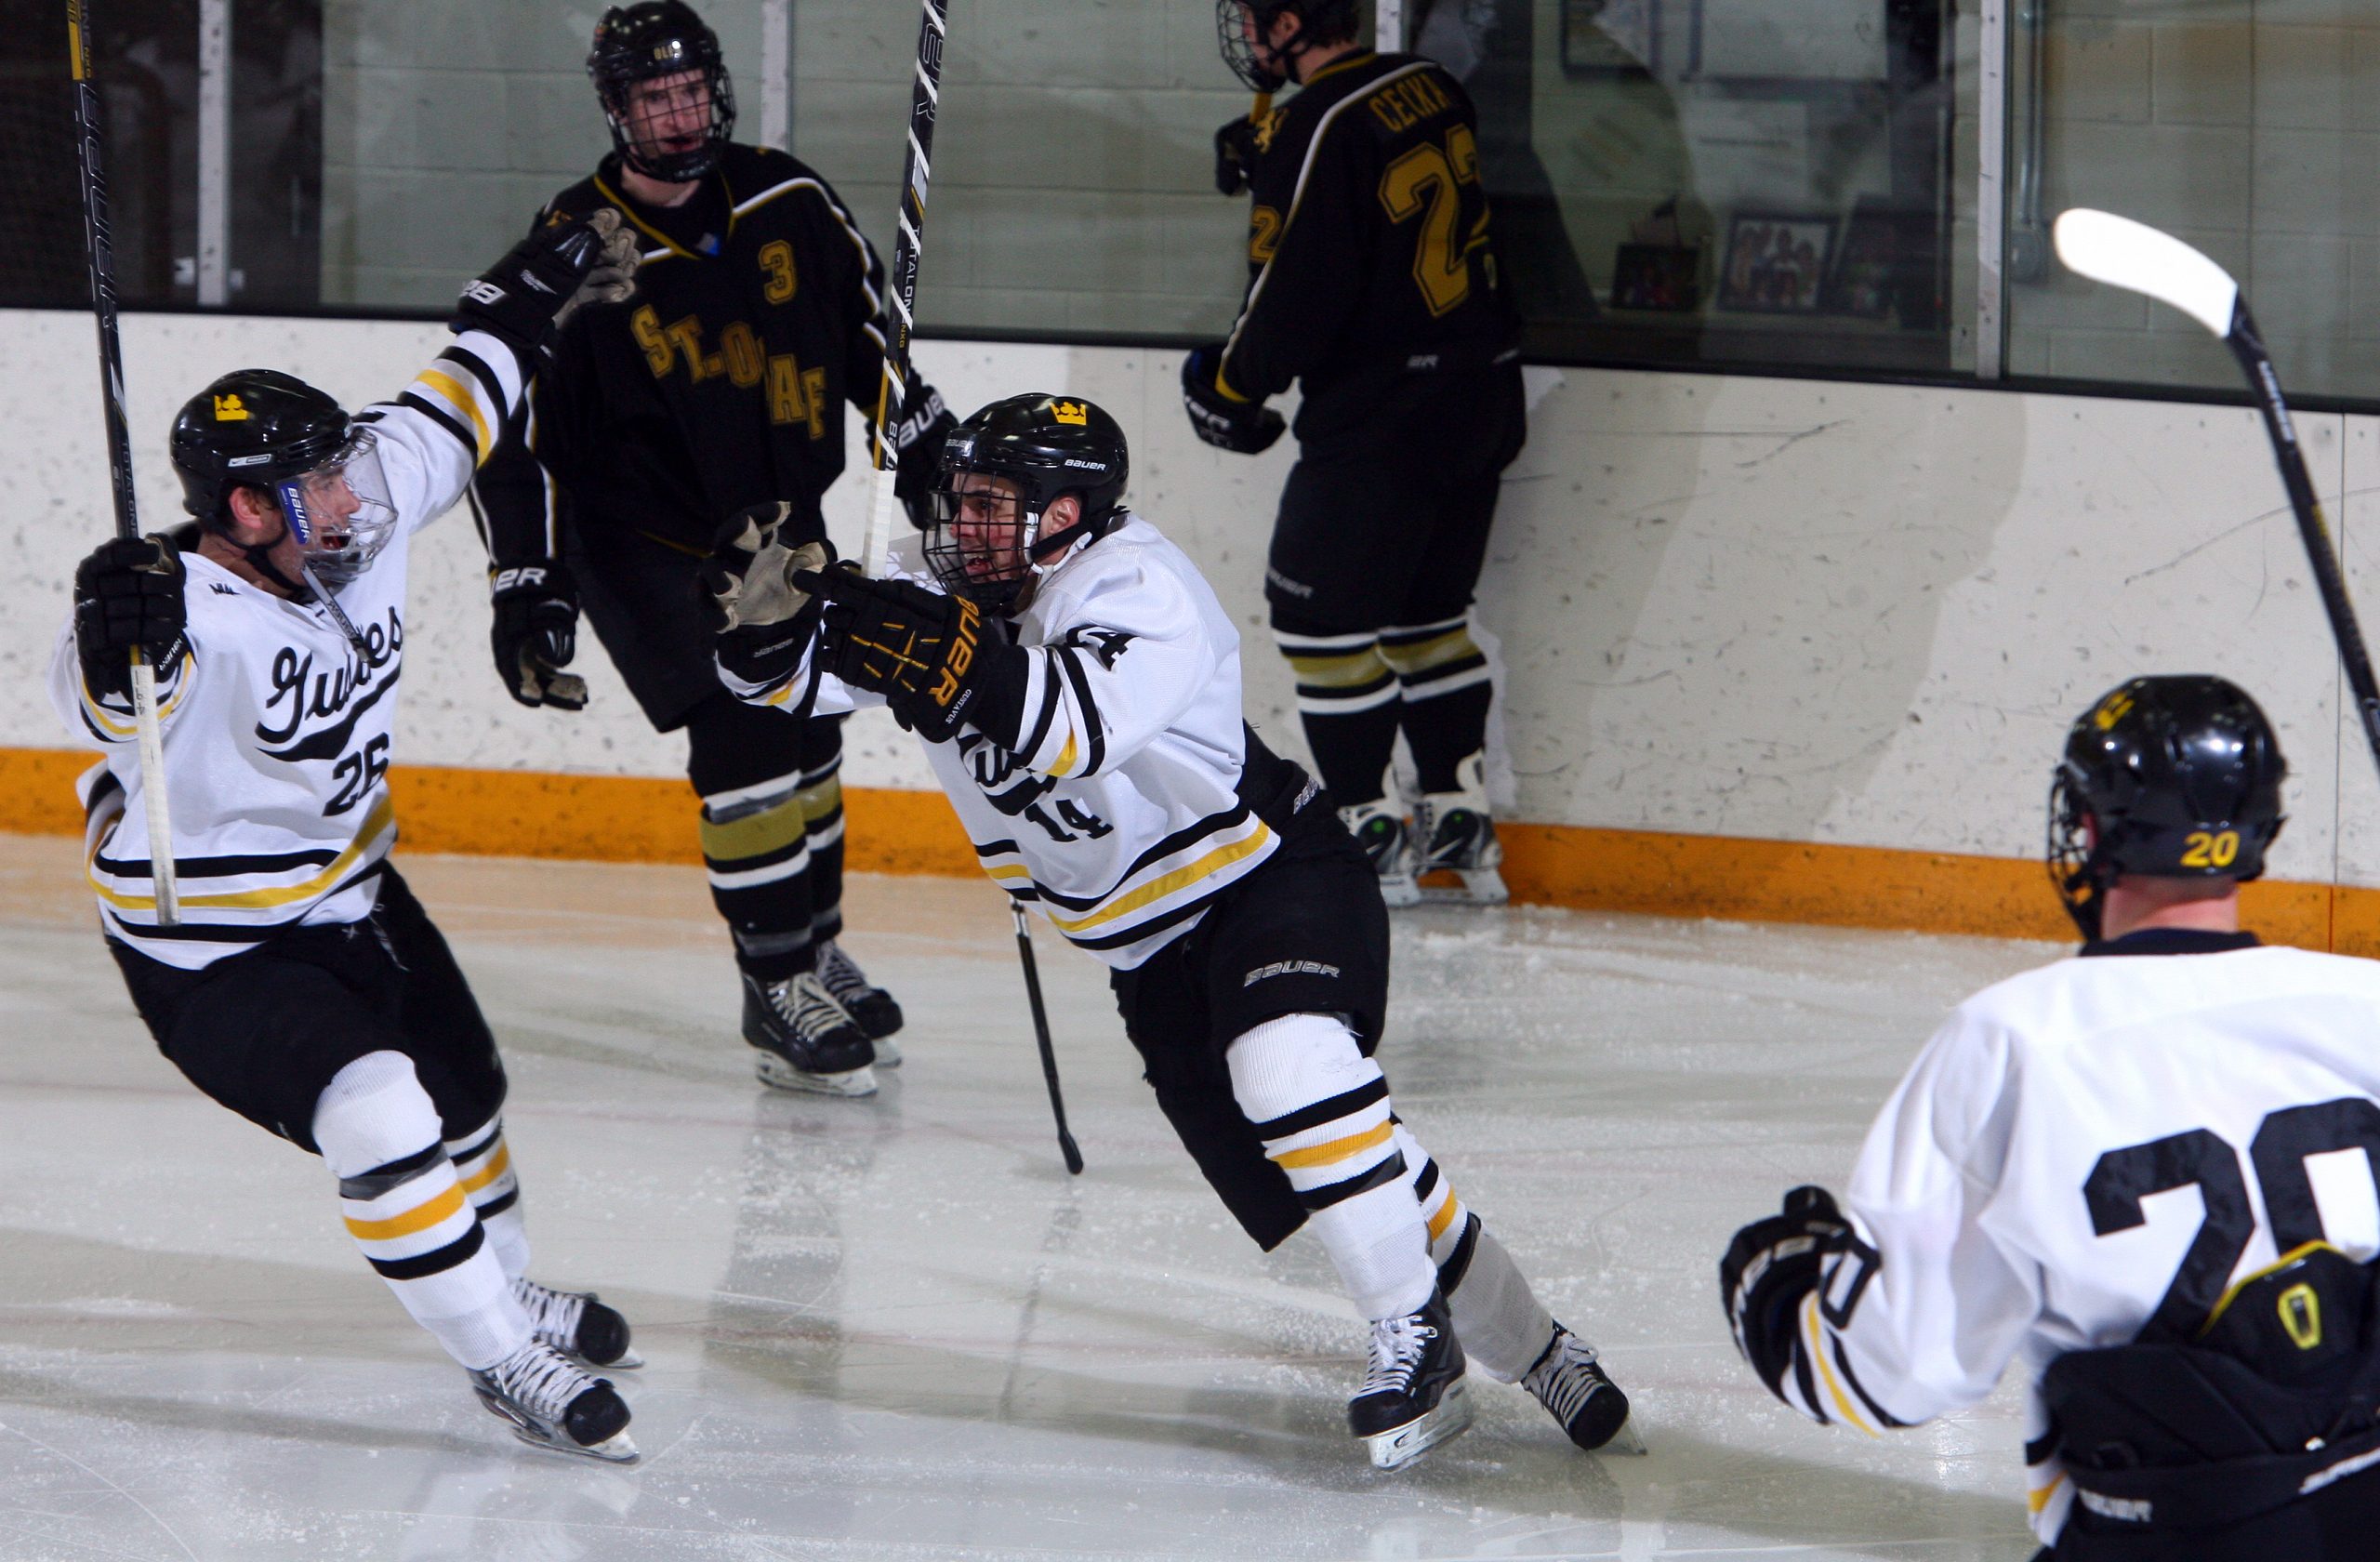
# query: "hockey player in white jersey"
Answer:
x=2149 y=1171
x=1076 y=687
x=303 y=986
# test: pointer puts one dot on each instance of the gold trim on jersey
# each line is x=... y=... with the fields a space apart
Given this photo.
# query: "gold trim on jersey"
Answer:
x=1814 y=1341
x=107 y=720
x=1169 y=884
x=459 y=396
x=381 y=819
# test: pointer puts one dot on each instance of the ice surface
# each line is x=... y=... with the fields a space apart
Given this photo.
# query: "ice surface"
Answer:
x=895 y=1328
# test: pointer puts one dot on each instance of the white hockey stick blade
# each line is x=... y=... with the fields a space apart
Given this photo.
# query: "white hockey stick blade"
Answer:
x=2123 y=253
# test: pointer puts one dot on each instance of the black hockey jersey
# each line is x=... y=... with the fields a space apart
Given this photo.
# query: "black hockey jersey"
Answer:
x=720 y=384
x=1368 y=242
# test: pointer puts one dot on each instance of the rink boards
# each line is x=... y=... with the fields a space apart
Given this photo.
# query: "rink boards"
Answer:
x=1770 y=648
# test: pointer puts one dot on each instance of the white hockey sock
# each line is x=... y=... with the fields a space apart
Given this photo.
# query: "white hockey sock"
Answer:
x=407 y=1210
x=1322 y=1109
x=483 y=1165
x=1502 y=1325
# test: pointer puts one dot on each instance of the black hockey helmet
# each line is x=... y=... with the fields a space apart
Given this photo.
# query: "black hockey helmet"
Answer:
x=1241 y=25
x=988 y=548
x=266 y=429
x=2171 y=777
x=659 y=38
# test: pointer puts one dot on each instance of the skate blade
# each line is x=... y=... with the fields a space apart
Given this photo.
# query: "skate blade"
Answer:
x=628 y=1363
x=1401 y=1446
x=1398 y=889
x=1475 y=886
x=1626 y=1440
x=774 y=1071
x=615 y=1450
x=887 y=1054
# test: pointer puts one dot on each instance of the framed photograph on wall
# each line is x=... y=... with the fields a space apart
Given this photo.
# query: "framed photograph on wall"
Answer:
x=1776 y=262
x=1658 y=276
x=1884 y=264
x=1611 y=37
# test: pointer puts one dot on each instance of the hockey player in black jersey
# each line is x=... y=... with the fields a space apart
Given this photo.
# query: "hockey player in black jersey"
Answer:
x=303 y=986
x=2152 y=1173
x=1374 y=286
x=1076 y=687
x=722 y=385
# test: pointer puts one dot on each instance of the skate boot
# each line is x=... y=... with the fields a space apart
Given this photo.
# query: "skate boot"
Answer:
x=1454 y=833
x=1577 y=1392
x=870 y=1007
x=554 y=1403
x=577 y=1323
x=1413 y=1396
x=1380 y=832
x=805 y=1040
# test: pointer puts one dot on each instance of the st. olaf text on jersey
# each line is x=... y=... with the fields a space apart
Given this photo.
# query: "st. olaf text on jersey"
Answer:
x=796 y=394
x=337 y=697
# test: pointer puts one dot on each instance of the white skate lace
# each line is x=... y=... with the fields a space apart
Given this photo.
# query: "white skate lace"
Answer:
x=553 y=1315
x=541 y=1380
x=805 y=1005
x=1398 y=1344
x=1565 y=1380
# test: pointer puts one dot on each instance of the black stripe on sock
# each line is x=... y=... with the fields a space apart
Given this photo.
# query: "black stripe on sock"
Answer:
x=1427 y=1182
x=511 y=1196
x=478 y=1148
x=1451 y=1272
x=1345 y=1103
x=383 y=1180
x=1364 y=1181
x=435 y=1262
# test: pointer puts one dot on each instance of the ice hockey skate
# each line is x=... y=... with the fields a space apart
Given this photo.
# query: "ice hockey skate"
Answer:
x=1381 y=833
x=871 y=1008
x=554 y=1403
x=577 y=1323
x=805 y=1040
x=1414 y=1397
x=1454 y=833
x=1579 y=1394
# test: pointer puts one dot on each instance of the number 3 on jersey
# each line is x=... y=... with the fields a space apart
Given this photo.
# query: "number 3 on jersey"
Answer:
x=1426 y=181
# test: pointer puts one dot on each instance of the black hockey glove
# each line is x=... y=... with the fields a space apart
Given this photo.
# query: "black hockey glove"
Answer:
x=936 y=660
x=534 y=633
x=764 y=621
x=918 y=439
x=1242 y=428
x=1769 y=1267
x=1235 y=154
x=548 y=276
x=127 y=594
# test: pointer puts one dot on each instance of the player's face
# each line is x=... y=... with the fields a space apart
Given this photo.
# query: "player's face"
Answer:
x=668 y=115
x=989 y=525
x=331 y=502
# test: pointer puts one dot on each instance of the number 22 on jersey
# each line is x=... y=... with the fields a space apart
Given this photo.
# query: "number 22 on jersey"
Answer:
x=1427 y=181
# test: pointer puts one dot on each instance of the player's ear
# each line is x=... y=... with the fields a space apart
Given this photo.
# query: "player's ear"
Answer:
x=252 y=513
x=1064 y=511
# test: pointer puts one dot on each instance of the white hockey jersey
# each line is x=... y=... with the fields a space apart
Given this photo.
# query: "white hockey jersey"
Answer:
x=2085 y=1148
x=277 y=730
x=1129 y=809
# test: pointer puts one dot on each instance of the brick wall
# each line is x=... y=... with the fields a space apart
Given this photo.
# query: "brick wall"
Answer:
x=2250 y=129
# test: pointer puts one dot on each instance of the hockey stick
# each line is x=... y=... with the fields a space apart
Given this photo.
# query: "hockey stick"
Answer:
x=2128 y=254
x=88 y=131
x=893 y=389
x=1041 y=1034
